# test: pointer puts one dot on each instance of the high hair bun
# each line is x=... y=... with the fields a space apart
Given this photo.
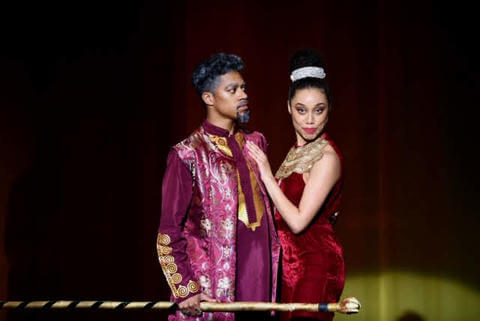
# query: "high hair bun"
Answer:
x=307 y=70
x=306 y=58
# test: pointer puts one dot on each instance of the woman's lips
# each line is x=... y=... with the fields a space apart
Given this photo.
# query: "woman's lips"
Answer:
x=309 y=130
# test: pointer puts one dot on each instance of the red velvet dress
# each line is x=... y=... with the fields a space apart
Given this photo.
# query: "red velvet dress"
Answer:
x=312 y=262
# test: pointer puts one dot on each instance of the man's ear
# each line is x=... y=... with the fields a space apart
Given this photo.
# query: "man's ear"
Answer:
x=208 y=98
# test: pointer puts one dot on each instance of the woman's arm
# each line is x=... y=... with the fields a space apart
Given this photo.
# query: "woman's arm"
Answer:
x=322 y=177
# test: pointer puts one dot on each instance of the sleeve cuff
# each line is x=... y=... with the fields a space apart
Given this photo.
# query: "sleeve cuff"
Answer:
x=189 y=294
x=181 y=288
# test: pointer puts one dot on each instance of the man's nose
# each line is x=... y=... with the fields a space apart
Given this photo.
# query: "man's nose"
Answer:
x=243 y=94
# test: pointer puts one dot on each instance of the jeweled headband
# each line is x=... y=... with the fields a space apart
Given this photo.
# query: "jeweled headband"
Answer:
x=304 y=72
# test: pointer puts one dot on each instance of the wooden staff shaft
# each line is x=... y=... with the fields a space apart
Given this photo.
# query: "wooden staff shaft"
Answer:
x=205 y=306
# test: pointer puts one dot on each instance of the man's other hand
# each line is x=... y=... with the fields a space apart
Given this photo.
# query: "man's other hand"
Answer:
x=191 y=306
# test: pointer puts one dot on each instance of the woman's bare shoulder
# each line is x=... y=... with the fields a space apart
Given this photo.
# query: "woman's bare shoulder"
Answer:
x=330 y=156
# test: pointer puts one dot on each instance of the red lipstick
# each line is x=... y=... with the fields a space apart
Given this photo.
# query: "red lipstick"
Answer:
x=309 y=130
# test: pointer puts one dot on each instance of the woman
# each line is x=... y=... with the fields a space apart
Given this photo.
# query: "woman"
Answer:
x=306 y=191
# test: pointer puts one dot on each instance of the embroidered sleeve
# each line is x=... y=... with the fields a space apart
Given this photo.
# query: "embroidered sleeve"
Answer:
x=171 y=243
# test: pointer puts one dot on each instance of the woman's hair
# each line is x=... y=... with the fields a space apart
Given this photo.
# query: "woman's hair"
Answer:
x=301 y=80
x=205 y=76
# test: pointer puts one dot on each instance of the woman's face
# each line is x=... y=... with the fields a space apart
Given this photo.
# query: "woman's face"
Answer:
x=309 y=110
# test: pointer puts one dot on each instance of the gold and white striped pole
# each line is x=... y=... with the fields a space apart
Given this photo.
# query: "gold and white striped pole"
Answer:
x=350 y=307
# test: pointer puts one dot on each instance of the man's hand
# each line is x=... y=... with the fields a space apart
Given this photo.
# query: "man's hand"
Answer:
x=191 y=306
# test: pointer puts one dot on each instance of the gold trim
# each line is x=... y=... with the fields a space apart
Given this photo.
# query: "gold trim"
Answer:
x=333 y=307
x=182 y=291
x=301 y=159
x=192 y=286
x=221 y=143
x=256 y=192
x=169 y=268
x=163 y=239
x=176 y=278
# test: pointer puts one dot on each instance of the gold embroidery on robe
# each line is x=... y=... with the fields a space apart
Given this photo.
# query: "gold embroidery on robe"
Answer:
x=222 y=145
x=257 y=195
x=169 y=268
x=302 y=159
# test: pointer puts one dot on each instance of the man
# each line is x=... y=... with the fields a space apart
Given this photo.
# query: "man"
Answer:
x=216 y=239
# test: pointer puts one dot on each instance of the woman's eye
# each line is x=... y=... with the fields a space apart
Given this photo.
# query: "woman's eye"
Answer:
x=300 y=110
x=319 y=111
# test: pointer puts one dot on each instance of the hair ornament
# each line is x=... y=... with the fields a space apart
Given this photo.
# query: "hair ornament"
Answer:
x=304 y=72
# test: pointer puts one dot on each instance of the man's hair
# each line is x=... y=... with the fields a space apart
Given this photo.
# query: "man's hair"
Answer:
x=205 y=76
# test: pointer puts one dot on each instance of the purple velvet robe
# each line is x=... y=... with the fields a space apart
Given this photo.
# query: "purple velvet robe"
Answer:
x=203 y=245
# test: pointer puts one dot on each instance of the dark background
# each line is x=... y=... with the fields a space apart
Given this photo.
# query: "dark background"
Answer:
x=93 y=93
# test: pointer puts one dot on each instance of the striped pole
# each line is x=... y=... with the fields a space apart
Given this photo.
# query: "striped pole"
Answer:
x=162 y=305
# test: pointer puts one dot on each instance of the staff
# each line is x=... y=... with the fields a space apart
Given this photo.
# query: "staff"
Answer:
x=347 y=306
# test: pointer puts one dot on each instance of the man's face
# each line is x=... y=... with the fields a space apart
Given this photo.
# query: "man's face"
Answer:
x=230 y=97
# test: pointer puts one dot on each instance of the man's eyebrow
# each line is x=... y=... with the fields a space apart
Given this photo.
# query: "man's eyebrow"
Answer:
x=232 y=84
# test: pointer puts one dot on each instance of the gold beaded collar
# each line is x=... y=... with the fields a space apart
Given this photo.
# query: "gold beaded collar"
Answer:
x=301 y=159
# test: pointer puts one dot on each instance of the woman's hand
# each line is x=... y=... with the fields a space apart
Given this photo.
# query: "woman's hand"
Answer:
x=261 y=159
